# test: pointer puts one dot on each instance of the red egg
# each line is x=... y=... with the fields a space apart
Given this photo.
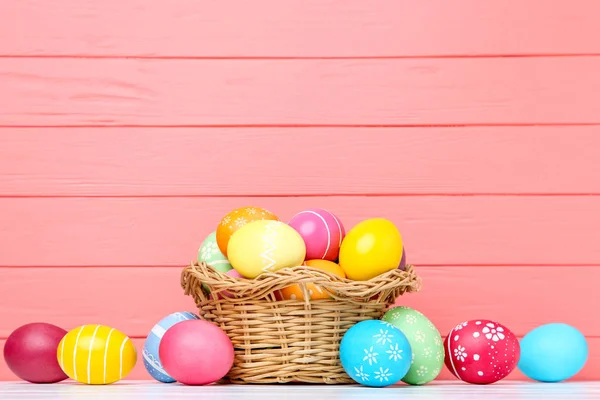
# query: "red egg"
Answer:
x=30 y=353
x=481 y=351
x=196 y=352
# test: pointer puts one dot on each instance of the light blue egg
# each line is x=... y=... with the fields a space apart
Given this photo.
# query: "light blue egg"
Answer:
x=553 y=353
x=375 y=353
x=150 y=350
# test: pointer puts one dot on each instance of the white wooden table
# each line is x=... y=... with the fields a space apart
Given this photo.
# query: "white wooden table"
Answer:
x=131 y=390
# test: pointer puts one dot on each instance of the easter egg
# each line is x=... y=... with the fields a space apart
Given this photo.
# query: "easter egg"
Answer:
x=96 y=354
x=196 y=352
x=265 y=246
x=234 y=274
x=150 y=351
x=371 y=248
x=481 y=351
x=30 y=352
x=294 y=292
x=425 y=342
x=210 y=253
x=235 y=220
x=553 y=352
x=375 y=353
x=402 y=265
x=322 y=232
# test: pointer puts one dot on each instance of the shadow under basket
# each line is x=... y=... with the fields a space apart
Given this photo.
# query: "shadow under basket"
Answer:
x=281 y=341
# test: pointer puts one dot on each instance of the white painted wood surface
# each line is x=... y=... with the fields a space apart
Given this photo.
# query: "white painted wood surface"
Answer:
x=131 y=390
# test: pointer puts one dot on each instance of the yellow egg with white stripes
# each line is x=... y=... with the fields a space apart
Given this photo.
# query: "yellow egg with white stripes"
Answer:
x=96 y=354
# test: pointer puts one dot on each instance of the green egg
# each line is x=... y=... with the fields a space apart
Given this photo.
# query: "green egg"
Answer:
x=209 y=253
x=425 y=341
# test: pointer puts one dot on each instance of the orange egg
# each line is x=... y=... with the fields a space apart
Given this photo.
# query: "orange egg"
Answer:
x=235 y=220
x=294 y=292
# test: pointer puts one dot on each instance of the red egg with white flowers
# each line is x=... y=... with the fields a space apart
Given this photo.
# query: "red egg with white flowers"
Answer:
x=481 y=351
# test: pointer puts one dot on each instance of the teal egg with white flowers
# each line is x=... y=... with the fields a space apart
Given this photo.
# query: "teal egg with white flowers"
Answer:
x=375 y=353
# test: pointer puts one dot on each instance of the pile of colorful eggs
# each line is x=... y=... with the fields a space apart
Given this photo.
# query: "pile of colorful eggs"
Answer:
x=404 y=345
x=250 y=241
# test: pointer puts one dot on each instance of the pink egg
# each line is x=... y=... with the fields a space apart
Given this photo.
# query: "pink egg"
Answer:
x=234 y=274
x=322 y=232
x=196 y=352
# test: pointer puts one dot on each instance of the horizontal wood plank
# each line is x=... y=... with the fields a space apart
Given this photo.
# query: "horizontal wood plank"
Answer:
x=134 y=299
x=591 y=370
x=97 y=295
x=131 y=300
x=132 y=92
x=173 y=161
x=437 y=230
x=297 y=28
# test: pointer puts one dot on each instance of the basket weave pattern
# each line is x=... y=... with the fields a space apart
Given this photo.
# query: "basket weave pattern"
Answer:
x=290 y=340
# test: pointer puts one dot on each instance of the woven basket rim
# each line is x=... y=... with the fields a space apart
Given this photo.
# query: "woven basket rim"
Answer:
x=386 y=286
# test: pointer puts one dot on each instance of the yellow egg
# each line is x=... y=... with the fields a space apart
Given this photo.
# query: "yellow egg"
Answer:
x=294 y=292
x=96 y=354
x=371 y=248
x=265 y=246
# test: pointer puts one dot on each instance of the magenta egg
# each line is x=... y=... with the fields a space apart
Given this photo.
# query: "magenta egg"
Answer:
x=322 y=232
x=481 y=351
x=403 y=260
x=30 y=352
x=196 y=352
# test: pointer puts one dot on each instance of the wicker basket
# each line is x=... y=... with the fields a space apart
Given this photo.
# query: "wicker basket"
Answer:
x=290 y=340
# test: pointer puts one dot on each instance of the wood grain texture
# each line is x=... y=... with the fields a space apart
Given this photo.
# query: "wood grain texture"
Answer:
x=298 y=28
x=84 y=92
x=173 y=161
x=447 y=389
x=134 y=299
x=131 y=300
x=437 y=230
x=589 y=371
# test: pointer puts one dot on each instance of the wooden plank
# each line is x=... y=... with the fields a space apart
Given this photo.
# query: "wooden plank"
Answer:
x=172 y=161
x=129 y=299
x=451 y=295
x=437 y=230
x=133 y=299
x=448 y=390
x=297 y=28
x=132 y=92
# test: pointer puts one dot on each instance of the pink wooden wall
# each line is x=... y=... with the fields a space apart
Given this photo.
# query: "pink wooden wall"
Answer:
x=129 y=127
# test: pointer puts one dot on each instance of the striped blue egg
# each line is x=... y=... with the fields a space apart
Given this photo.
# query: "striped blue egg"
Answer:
x=150 y=351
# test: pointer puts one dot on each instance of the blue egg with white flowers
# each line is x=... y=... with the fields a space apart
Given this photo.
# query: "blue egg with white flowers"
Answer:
x=553 y=353
x=150 y=350
x=375 y=353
